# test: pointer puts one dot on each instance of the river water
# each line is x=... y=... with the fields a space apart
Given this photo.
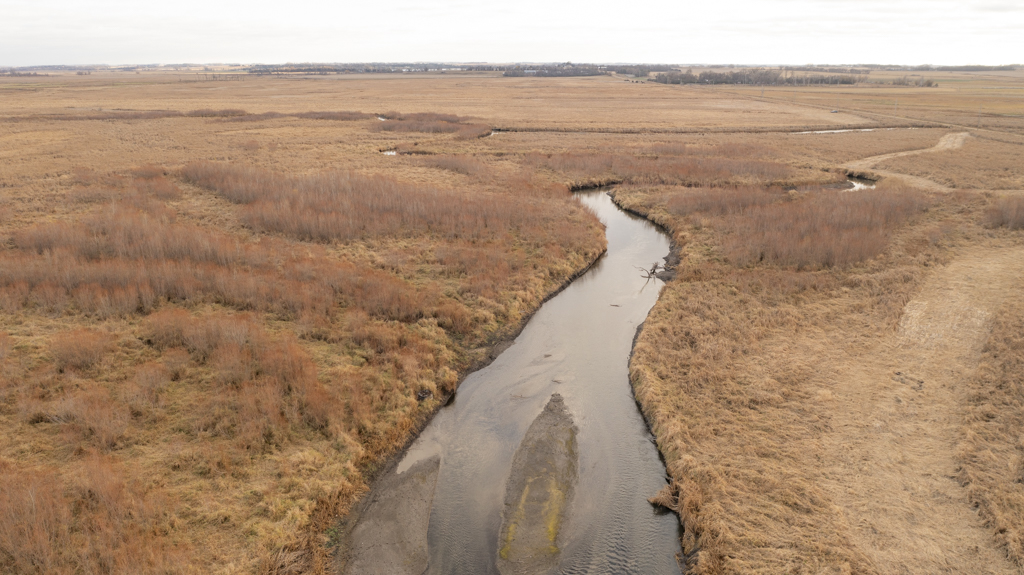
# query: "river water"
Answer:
x=577 y=345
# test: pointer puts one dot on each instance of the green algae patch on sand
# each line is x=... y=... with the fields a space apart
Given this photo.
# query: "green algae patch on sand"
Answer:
x=539 y=488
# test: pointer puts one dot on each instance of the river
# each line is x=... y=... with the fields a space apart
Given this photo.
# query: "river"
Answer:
x=577 y=345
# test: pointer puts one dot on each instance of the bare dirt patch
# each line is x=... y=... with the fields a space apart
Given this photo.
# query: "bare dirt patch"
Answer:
x=890 y=456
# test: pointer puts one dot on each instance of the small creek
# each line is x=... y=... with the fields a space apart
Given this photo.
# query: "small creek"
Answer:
x=577 y=345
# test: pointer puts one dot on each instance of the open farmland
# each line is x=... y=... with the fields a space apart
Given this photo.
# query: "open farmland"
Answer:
x=223 y=307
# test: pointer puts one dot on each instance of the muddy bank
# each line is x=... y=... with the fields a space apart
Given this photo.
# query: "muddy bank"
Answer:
x=398 y=524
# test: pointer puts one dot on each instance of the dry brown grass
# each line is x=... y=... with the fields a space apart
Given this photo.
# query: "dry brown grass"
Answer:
x=78 y=349
x=346 y=206
x=460 y=164
x=689 y=166
x=1006 y=212
x=431 y=123
x=217 y=357
x=736 y=407
x=99 y=524
x=253 y=379
x=814 y=230
x=980 y=164
x=991 y=464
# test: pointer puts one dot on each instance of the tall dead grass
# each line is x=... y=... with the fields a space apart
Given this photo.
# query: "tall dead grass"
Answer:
x=431 y=123
x=79 y=349
x=460 y=164
x=991 y=450
x=687 y=166
x=719 y=369
x=346 y=205
x=1006 y=212
x=95 y=521
x=271 y=384
x=820 y=229
x=120 y=261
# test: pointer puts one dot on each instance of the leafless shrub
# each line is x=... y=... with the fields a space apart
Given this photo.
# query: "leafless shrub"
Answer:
x=339 y=116
x=1006 y=212
x=176 y=361
x=256 y=117
x=424 y=117
x=322 y=206
x=79 y=348
x=158 y=186
x=149 y=384
x=721 y=201
x=35 y=523
x=148 y=172
x=208 y=113
x=821 y=230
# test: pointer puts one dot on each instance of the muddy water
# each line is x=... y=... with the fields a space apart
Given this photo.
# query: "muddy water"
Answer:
x=577 y=345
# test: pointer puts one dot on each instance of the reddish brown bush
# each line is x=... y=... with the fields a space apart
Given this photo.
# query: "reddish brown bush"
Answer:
x=158 y=186
x=96 y=416
x=431 y=123
x=261 y=416
x=286 y=363
x=208 y=113
x=148 y=172
x=98 y=524
x=233 y=364
x=149 y=384
x=79 y=348
x=1006 y=212
x=342 y=116
x=380 y=338
x=166 y=328
x=14 y=296
x=822 y=230
x=721 y=201
x=35 y=534
x=176 y=361
x=323 y=206
x=473 y=131
x=454 y=317
x=424 y=117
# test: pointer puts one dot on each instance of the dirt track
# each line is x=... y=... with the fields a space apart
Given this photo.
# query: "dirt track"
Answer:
x=889 y=463
x=866 y=166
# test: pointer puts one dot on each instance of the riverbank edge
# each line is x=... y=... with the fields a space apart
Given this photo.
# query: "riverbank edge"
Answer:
x=668 y=497
x=341 y=528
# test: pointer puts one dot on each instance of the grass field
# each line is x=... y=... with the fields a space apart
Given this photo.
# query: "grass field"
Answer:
x=223 y=307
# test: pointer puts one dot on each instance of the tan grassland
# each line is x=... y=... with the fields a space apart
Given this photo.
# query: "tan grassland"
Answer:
x=223 y=308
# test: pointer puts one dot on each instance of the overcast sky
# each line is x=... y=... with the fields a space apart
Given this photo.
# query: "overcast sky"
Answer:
x=37 y=32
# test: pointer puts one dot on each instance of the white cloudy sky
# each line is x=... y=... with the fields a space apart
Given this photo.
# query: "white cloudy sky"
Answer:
x=35 y=32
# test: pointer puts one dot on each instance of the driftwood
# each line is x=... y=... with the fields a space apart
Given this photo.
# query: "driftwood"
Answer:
x=650 y=273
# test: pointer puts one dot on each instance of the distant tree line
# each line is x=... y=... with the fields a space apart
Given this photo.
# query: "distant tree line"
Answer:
x=558 y=70
x=965 y=68
x=908 y=81
x=639 y=71
x=758 y=76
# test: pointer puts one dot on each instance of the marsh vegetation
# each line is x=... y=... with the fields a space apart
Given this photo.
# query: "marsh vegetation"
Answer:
x=221 y=315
